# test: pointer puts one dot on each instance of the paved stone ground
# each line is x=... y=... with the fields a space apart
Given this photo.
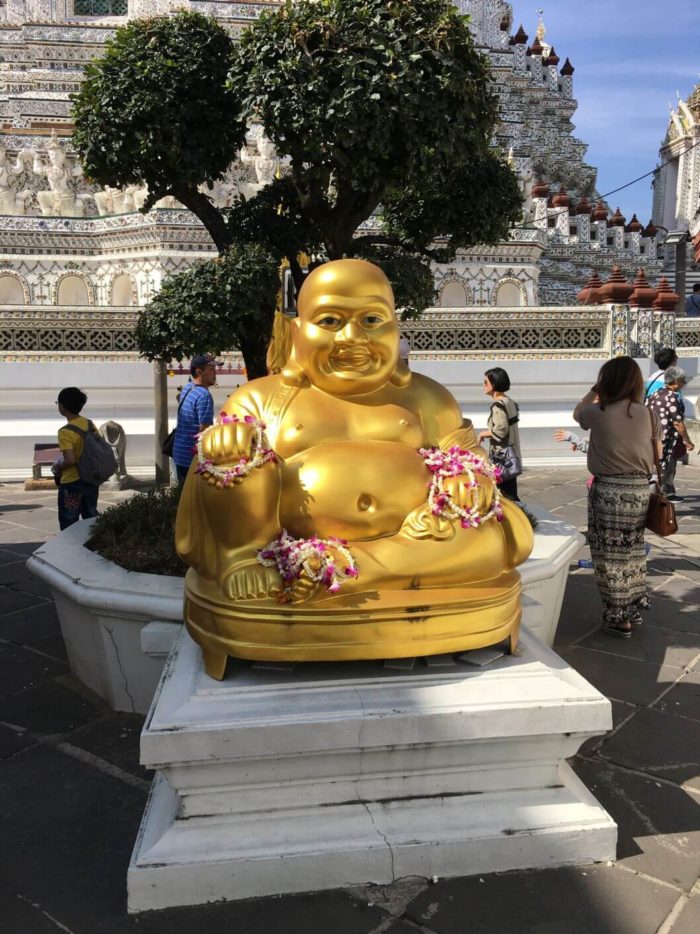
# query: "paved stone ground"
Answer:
x=72 y=791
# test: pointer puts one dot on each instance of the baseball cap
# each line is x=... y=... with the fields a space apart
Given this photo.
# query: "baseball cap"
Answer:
x=203 y=359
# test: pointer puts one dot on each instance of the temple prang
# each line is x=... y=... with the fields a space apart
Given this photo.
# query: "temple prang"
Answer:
x=64 y=240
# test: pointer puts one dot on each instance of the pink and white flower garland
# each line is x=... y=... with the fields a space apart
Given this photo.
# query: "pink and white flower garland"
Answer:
x=457 y=462
x=261 y=452
x=327 y=562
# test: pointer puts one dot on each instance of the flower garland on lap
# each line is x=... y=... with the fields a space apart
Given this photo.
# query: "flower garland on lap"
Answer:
x=457 y=462
x=326 y=562
x=261 y=452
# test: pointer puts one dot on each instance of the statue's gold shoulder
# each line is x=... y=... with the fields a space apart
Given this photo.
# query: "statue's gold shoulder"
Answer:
x=255 y=397
x=439 y=410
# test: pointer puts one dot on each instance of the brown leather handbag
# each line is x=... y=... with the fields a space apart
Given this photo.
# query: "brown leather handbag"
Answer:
x=661 y=514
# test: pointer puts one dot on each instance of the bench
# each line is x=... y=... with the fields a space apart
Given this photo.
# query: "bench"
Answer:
x=44 y=456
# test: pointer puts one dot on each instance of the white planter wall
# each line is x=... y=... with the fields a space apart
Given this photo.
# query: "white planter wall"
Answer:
x=119 y=626
x=103 y=611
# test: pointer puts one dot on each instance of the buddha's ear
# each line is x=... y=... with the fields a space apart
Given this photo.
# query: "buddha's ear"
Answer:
x=292 y=373
x=401 y=376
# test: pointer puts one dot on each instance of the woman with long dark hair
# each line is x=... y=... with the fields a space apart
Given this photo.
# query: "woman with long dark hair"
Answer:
x=502 y=430
x=621 y=459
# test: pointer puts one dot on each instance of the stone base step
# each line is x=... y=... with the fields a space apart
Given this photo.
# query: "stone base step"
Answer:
x=210 y=859
x=329 y=775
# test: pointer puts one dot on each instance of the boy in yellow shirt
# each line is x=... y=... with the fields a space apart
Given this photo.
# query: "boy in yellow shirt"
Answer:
x=76 y=499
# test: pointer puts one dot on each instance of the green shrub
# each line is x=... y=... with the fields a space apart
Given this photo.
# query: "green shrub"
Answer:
x=139 y=533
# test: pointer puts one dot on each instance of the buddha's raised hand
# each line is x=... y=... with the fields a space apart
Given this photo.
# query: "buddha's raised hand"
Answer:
x=224 y=444
x=466 y=497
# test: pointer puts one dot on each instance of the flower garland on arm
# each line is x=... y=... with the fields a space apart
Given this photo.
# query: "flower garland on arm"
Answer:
x=457 y=462
x=326 y=562
x=261 y=452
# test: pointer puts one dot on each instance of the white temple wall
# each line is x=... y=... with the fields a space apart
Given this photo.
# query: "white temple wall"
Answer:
x=546 y=390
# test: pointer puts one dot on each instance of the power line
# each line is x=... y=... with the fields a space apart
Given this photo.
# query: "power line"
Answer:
x=529 y=224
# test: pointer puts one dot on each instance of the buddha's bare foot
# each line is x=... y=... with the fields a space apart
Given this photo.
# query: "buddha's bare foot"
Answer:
x=251 y=581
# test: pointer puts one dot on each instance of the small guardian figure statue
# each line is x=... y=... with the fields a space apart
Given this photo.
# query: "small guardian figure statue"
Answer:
x=342 y=508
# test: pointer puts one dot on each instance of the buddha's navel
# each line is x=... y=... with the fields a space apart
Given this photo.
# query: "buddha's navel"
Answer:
x=366 y=503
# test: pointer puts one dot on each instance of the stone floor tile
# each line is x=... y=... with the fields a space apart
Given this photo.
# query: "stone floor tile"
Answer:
x=659 y=744
x=580 y=612
x=658 y=823
x=71 y=849
x=51 y=708
x=626 y=679
x=620 y=713
x=576 y=515
x=8 y=557
x=649 y=644
x=36 y=586
x=21 y=511
x=572 y=900
x=90 y=821
x=558 y=496
x=21 y=669
x=12 y=741
x=682 y=589
x=43 y=520
x=670 y=613
x=12 y=600
x=29 y=626
x=15 y=572
x=676 y=564
x=21 y=915
x=683 y=700
x=315 y=913
x=16 y=534
x=115 y=739
x=53 y=646
x=16 y=551
x=688 y=922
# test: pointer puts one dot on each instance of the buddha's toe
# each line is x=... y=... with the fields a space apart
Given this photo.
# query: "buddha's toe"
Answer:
x=251 y=581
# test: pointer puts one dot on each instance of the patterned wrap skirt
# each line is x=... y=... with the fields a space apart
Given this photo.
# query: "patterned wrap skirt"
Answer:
x=617 y=511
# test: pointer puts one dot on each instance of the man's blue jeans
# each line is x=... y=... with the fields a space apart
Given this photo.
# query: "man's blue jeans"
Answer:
x=76 y=500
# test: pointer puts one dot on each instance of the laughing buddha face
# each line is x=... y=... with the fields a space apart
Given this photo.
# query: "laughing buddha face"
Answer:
x=346 y=337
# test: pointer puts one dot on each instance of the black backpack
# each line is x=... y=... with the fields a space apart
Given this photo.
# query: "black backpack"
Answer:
x=168 y=445
x=97 y=462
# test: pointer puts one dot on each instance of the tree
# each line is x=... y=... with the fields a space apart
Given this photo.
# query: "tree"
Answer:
x=370 y=98
x=216 y=305
x=274 y=220
x=155 y=109
x=383 y=108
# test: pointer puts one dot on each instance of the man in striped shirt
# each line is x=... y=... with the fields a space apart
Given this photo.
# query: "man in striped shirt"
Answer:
x=195 y=411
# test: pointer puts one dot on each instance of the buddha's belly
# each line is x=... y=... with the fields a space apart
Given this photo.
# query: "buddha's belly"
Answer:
x=354 y=489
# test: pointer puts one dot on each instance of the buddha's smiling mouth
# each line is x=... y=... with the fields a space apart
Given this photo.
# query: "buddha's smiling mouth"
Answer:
x=355 y=358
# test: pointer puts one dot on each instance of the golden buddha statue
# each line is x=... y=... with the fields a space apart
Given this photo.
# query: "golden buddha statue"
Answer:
x=342 y=509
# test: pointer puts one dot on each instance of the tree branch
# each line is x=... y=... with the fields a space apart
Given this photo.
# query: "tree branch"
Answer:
x=379 y=240
x=208 y=213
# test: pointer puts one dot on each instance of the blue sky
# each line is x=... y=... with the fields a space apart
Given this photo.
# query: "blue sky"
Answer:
x=630 y=58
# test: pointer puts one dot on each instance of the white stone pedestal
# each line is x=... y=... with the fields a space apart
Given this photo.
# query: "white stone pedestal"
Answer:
x=324 y=776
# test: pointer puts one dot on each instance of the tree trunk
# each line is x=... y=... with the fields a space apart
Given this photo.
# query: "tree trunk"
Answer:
x=209 y=215
x=160 y=388
x=254 y=355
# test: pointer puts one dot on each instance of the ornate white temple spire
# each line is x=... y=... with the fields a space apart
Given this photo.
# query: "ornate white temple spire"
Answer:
x=541 y=29
x=541 y=33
